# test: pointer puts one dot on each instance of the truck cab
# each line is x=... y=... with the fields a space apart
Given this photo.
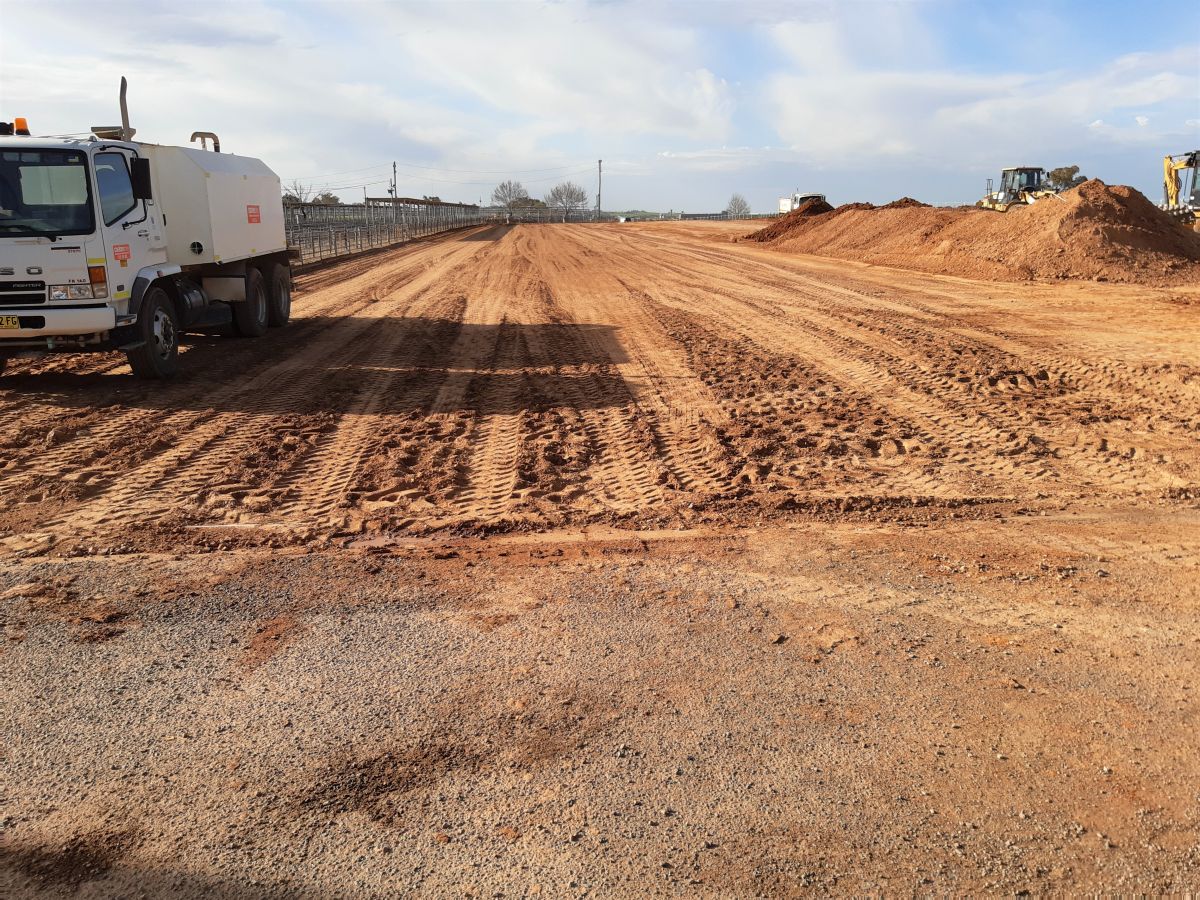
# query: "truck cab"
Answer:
x=73 y=234
x=89 y=260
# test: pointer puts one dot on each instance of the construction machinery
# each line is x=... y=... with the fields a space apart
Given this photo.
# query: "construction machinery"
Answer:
x=89 y=261
x=1018 y=185
x=787 y=204
x=1181 y=187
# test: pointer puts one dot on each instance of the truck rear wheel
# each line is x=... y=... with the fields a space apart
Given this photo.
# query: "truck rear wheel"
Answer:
x=250 y=315
x=158 y=329
x=279 y=309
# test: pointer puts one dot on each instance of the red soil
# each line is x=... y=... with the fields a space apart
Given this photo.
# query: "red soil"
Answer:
x=1094 y=231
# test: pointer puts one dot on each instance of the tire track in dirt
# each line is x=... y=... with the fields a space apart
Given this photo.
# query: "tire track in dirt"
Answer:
x=535 y=344
x=139 y=417
x=324 y=481
x=1029 y=423
x=675 y=404
x=491 y=480
x=686 y=294
x=208 y=442
x=733 y=314
x=624 y=474
x=631 y=471
x=1026 y=447
x=958 y=306
x=560 y=376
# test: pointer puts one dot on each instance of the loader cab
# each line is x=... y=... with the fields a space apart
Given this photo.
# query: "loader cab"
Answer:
x=1022 y=178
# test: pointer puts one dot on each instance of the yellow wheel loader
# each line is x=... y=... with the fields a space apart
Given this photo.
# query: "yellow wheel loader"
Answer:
x=1018 y=185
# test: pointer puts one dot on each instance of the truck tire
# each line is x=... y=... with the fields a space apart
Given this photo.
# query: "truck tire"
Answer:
x=250 y=315
x=279 y=296
x=158 y=330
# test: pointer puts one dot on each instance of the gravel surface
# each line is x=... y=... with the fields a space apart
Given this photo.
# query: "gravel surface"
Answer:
x=818 y=708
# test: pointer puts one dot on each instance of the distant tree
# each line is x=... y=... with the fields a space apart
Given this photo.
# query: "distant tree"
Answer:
x=528 y=203
x=297 y=192
x=509 y=194
x=738 y=207
x=431 y=199
x=567 y=196
x=325 y=198
x=1065 y=177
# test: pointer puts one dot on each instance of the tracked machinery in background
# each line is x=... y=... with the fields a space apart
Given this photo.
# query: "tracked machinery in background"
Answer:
x=1181 y=187
x=1018 y=185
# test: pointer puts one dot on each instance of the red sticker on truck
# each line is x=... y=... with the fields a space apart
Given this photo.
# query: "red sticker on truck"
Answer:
x=253 y=216
x=120 y=252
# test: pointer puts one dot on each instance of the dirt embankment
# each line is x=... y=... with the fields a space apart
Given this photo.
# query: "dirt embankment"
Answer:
x=1095 y=231
x=784 y=226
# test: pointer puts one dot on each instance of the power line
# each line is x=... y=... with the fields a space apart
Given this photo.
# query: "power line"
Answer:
x=349 y=172
x=492 y=180
x=489 y=171
x=330 y=188
x=329 y=175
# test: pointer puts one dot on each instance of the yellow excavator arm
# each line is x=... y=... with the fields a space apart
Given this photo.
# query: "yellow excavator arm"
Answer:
x=1172 y=166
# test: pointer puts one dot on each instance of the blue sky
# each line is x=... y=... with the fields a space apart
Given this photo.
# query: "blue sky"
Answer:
x=685 y=102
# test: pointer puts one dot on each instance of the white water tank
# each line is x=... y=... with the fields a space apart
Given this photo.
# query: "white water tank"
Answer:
x=218 y=207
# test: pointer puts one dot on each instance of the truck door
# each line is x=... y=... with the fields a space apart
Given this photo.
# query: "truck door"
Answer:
x=132 y=229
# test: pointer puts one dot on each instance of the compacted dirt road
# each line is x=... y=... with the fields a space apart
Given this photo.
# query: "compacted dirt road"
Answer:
x=595 y=560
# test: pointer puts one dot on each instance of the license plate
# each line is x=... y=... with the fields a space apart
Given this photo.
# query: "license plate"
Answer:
x=10 y=322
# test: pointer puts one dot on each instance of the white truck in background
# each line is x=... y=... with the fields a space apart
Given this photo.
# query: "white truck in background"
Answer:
x=111 y=244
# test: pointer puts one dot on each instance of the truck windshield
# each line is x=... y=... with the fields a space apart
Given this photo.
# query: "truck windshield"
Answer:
x=44 y=192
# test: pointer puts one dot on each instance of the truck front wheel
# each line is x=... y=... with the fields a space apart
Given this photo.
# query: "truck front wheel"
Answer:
x=158 y=329
x=250 y=315
x=280 y=308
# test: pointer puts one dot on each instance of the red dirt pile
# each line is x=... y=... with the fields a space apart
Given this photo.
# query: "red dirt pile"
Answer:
x=905 y=203
x=1094 y=231
x=784 y=225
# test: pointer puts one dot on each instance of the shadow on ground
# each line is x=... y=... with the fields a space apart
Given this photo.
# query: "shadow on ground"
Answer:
x=420 y=363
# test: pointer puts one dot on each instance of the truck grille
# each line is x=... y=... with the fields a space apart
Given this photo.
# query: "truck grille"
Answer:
x=22 y=293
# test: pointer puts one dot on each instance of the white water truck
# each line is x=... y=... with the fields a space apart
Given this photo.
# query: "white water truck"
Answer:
x=107 y=243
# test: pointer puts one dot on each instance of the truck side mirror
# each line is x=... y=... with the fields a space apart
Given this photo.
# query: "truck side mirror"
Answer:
x=139 y=174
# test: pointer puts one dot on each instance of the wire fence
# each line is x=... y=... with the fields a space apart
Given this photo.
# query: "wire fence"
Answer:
x=317 y=231
x=724 y=216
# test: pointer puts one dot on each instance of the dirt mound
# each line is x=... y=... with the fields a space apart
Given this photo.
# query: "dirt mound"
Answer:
x=905 y=203
x=784 y=225
x=851 y=207
x=1095 y=231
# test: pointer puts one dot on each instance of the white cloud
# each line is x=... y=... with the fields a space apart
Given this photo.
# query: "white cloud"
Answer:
x=838 y=99
x=684 y=103
x=580 y=65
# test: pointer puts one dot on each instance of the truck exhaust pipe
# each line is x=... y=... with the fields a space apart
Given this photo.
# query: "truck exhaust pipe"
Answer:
x=126 y=132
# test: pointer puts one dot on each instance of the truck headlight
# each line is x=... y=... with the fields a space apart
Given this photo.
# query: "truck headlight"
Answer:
x=71 y=292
